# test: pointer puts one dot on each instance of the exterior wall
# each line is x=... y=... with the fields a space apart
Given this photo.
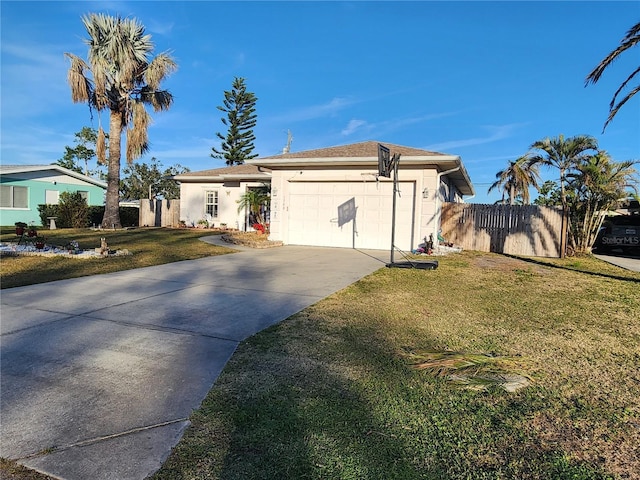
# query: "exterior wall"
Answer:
x=192 y=202
x=429 y=219
x=38 y=183
x=424 y=208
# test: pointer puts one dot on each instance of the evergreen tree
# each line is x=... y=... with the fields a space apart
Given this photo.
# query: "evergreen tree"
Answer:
x=239 y=105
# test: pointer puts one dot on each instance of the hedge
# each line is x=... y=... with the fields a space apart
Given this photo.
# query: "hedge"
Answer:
x=128 y=215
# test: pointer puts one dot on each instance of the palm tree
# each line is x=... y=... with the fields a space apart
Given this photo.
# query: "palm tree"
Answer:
x=516 y=179
x=598 y=185
x=631 y=39
x=564 y=154
x=254 y=200
x=119 y=76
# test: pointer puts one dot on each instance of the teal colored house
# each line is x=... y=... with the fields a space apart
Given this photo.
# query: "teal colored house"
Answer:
x=24 y=187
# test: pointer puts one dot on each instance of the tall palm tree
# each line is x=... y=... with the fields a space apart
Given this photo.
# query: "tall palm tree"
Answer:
x=564 y=154
x=516 y=179
x=119 y=76
x=631 y=39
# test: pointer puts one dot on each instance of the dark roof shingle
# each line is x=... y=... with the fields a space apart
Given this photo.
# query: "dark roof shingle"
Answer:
x=243 y=169
x=360 y=150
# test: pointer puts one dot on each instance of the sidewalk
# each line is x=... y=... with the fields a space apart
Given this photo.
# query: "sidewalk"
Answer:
x=628 y=263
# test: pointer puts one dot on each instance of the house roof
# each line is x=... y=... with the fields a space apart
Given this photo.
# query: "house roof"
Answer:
x=235 y=172
x=355 y=150
x=17 y=169
x=366 y=154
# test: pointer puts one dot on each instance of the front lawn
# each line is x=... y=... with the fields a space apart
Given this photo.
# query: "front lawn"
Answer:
x=335 y=392
x=148 y=246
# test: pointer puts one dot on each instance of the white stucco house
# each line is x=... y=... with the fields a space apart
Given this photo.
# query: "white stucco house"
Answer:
x=333 y=196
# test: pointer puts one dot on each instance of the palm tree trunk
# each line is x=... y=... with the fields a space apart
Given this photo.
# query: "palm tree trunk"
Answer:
x=111 y=217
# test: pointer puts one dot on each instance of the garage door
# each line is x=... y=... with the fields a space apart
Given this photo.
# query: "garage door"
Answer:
x=350 y=214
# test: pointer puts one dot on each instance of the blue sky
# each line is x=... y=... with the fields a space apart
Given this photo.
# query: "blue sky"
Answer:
x=482 y=80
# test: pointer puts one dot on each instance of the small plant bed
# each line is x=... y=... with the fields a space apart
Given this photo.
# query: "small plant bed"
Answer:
x=251 y=239
x=13 y=249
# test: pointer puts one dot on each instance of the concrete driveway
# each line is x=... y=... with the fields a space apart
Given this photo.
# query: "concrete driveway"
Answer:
x=627 y=262
x=100 y=374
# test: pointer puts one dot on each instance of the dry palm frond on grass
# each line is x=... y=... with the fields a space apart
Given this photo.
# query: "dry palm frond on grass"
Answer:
x=476 y=371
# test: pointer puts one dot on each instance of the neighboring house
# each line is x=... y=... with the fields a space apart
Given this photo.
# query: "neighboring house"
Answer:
x=213 y=195
x=334 y=197
x=24 y=187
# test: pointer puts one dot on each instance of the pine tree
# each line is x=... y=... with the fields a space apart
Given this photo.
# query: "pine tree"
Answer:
x=239 y=105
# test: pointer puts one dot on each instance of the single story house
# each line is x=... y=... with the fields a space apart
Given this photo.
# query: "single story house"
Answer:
x=24 y=187
x=334 y=196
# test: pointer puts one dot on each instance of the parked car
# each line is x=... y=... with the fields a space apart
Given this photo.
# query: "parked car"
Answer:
x=619 y=232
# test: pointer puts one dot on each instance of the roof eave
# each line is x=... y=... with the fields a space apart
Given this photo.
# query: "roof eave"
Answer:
x=354 y=161
x=221 y=178
x=61 y=169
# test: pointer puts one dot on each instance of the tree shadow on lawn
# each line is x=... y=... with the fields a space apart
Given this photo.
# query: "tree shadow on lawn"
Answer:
x=568 y=268
x=307 y=399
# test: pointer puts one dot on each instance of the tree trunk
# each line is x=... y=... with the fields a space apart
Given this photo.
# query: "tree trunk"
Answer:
x=111 y=217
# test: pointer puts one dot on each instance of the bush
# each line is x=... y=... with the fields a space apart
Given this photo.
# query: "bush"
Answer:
x=96 y=212
x=46 y=211
x=128 y=215
x=73 y=210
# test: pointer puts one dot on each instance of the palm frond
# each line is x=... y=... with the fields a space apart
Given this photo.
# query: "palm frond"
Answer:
x=159 y=99
x=631 y=39
x=137 y=138
x=158 y=69
x=615 y=109
x=473 y=370
x=622 y=87
x=101 y=147
x=80 y=85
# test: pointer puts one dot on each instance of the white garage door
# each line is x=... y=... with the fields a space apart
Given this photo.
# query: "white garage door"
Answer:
x=350 y=214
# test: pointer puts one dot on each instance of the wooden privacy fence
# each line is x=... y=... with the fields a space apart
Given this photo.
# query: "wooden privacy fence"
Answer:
x=159 y=213
x=528 y=230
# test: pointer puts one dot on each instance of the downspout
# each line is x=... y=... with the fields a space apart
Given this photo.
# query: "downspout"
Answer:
x=439 y=201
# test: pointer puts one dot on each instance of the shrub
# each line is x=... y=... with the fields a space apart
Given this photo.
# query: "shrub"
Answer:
x=129 y=216
x=46 y=211
x=73 y=210
x=96 y=212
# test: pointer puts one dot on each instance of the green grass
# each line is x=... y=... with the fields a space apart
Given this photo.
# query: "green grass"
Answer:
x=334 y=392
x=149 y=246
x=337 y=392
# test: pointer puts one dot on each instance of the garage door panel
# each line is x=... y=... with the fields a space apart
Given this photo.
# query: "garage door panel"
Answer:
x=313 y=214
